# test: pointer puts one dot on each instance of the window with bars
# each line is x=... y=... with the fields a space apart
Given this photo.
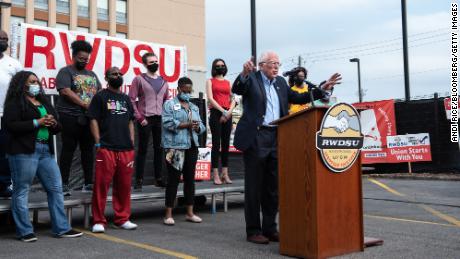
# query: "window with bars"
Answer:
x=83 y=8
x=103 y=10
x=18 y=2
x=41 y=4
x=63 y=6
x=121 y=11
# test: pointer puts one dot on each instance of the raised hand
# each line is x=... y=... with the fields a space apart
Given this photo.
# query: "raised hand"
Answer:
x=248 y=67
x=332 y=81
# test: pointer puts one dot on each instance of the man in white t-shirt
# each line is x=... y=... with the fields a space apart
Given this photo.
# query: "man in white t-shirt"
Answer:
x=8 y=67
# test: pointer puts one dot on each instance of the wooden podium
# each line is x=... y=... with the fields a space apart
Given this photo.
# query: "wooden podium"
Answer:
x=321 y=213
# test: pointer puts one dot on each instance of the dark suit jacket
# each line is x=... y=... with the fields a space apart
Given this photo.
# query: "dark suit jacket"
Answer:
x=255 y=101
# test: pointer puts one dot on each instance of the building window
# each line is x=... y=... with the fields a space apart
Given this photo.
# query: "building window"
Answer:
x=18 y=2
x=102 y=32
x=41 y=4
x=63 y=6
x=121 y=35
x=83 y=8
x=82 y=29
x=16 y=20
x=41 y=23
x=103 y=10
x=62 y=26
x=121 y=11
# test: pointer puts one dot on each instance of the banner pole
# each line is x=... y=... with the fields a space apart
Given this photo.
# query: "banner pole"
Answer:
x=54 y=136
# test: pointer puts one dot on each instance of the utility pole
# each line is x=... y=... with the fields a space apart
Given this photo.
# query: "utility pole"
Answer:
x=300 y=61
x=405 y=50
x=253 y=31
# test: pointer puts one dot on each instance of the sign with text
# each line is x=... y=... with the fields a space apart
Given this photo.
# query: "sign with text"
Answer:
x=45 y=50
x=377 y=121
x=203 y=165
x=409 y=148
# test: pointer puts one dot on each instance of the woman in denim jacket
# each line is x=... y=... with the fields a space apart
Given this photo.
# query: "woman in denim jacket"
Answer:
x=181 y=127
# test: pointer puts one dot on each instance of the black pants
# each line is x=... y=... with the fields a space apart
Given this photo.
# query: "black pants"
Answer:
x=74 y=134
x=188 y=172
x=154 y=128
x=261 y=183
x=5 y=174
x=220 y=138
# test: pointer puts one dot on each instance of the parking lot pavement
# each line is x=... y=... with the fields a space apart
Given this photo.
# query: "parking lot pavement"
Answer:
x=416 y=219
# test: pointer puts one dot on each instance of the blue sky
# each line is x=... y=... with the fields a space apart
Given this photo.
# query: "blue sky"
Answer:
x=328 y=33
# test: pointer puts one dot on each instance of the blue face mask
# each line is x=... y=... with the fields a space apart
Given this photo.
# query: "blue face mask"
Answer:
x=184 y=97
x=34 y=90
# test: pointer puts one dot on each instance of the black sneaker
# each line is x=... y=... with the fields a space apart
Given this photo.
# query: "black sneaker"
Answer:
x=29 y=238
x=71 y=233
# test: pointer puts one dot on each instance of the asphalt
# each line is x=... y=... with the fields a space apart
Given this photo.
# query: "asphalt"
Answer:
x=415 y=219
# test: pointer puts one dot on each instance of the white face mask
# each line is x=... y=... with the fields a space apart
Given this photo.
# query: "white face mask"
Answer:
x=34 y=90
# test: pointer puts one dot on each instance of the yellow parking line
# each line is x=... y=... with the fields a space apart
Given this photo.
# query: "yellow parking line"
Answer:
x=384 y=186
x=410 y=220
x=439 y=214
x=138 y=245
x=445 y=217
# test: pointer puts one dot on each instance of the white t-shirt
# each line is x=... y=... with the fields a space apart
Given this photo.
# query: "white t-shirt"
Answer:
x=8 y=68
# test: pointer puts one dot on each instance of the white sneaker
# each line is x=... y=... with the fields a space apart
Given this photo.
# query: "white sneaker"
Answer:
x=98 y=228
x=128 y=225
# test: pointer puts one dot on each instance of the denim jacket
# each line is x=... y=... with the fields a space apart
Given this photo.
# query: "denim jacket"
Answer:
x=173 y=114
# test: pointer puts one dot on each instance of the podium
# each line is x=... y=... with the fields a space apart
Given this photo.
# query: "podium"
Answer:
x=320 y=213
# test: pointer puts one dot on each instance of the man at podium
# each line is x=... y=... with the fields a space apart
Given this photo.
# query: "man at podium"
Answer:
x=266 y=98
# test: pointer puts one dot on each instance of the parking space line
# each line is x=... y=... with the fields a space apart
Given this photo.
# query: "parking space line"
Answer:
x=138 y=245
x=410 y=220
x=436 y=213
x=439 y=214
x=384 y=186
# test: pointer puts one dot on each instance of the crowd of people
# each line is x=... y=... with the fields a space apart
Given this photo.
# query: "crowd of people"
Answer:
x=102 y=122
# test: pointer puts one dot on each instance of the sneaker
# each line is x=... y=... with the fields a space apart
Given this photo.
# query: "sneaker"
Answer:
x=98 y=228
x=66 y=190
x=71 y=233
x=6 y=192
x=87 y=188
x=29 y=238
x=128 y=225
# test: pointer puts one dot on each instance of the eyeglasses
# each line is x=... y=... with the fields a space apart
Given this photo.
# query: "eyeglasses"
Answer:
x=223 y=66
x=116 y=74
x=272 y=63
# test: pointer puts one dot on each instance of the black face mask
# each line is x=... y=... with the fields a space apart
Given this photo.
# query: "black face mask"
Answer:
x=115 y=82
x=298 y=81
x=3 y=46
x=220 y=70
x=80 y=65
x=153 y=67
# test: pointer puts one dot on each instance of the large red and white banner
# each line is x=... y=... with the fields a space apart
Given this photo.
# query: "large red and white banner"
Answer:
x=409 y=148
x=45 y=50
x=377 y=122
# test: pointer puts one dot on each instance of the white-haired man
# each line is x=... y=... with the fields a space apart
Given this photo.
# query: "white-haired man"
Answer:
x=266 y=98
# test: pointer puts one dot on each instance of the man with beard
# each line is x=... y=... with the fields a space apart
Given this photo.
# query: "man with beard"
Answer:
x=112 y=116
x=148 y=92
x=76 y=86
x=8 y=68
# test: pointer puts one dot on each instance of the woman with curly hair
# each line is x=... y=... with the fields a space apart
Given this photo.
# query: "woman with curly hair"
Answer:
x=30 y=122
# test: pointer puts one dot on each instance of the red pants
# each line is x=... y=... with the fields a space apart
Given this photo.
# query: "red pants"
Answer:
x=116 y=165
